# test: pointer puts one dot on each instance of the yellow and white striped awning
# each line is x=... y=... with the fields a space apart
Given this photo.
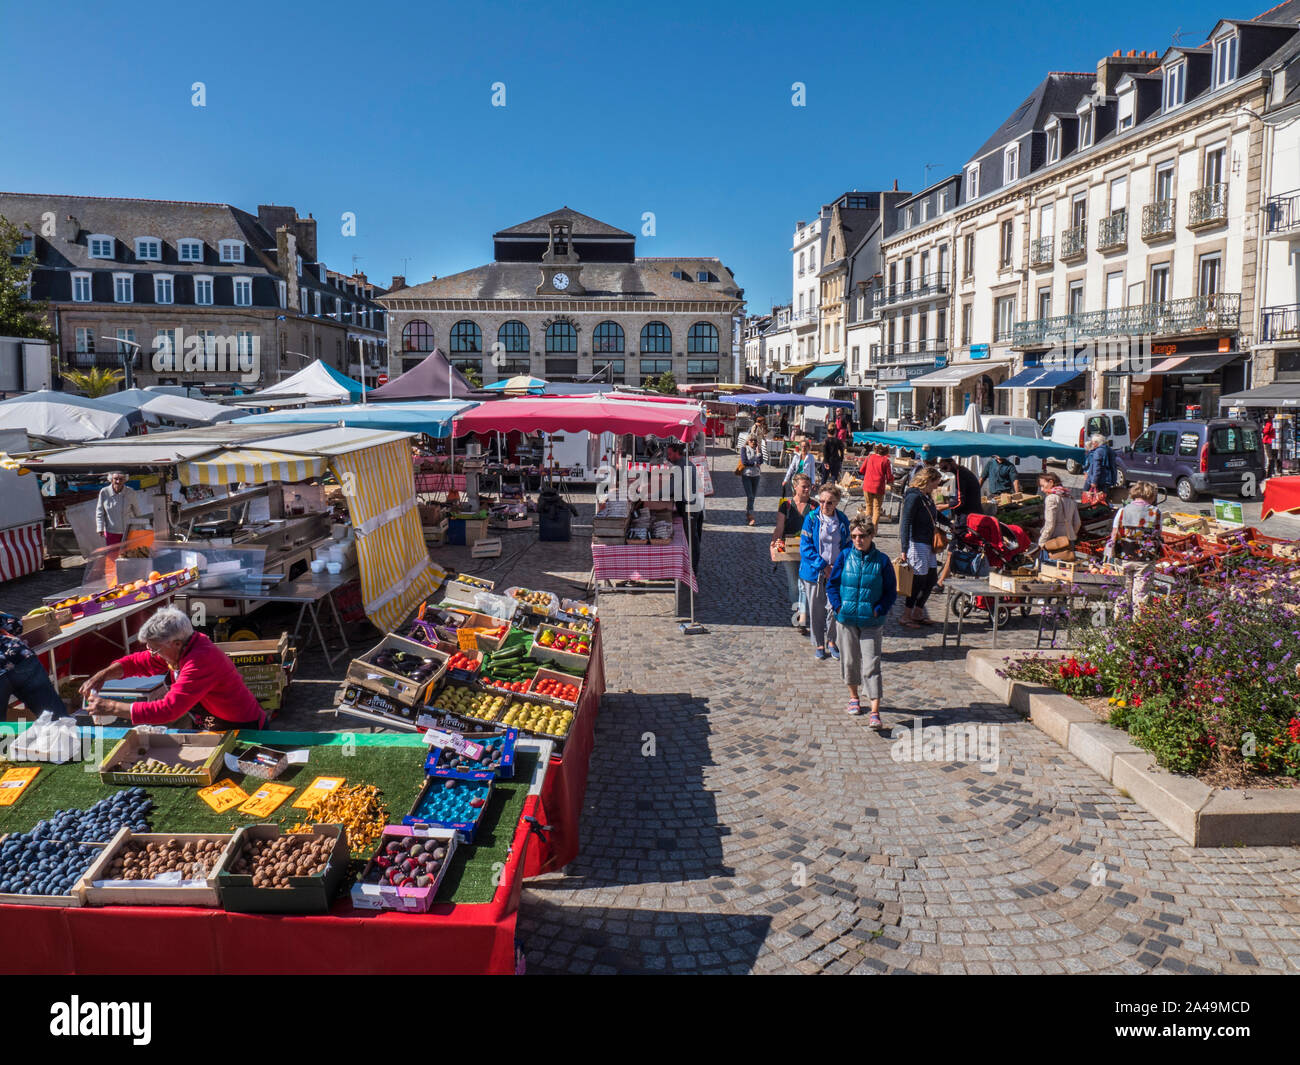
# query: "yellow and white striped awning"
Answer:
x=253 y=466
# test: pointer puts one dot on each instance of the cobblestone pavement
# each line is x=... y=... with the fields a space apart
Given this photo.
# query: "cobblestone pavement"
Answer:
x=770 y=832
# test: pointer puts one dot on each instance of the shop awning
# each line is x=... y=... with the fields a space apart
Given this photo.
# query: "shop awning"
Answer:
x=950 y=376
x=1194 y=364
x=957 y=443
x=905 y=386
x=1278 y=394
x=253 y=466
x=1038 y=377
x=827 y=372
x=796 y=369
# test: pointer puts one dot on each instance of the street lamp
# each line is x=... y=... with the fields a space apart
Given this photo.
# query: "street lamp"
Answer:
x=128 y=361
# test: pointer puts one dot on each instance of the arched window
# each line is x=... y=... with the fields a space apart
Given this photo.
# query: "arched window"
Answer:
x=702 y=339
x=656 y=338
x=513 y=337
x=561 y=339
x=466 y=338
x=607 y=339
x=417 y=336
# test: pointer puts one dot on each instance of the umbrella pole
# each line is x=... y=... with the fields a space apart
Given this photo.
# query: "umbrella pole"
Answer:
x=692 y=627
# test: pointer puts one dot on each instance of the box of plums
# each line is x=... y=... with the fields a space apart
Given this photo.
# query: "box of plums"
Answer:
x=406 y=869
x=401 y=669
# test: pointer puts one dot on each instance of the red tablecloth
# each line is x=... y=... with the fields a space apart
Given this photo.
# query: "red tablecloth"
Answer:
x=165 y=940
x=648 y=562
x=1281 y=494
x=566 y=778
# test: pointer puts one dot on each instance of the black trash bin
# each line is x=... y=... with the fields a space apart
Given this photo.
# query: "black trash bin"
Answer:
x=554 y=516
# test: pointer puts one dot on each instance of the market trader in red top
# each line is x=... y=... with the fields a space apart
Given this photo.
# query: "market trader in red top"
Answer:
x=204 y=684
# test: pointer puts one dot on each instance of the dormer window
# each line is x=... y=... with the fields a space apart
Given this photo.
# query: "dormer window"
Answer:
x=148 y=249
x=1125 y=109
x=189 y=250
x=1085 y=129
x=1175 y=85
x=973 y=182
x=99 y=246
x=26 y=245
x=1225 y=59
x=1011 y=164
x=925 y=210
x=232 y=251
x=1054 y=144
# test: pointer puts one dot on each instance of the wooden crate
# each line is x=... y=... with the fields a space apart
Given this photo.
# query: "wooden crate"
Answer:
x=147 y=893
x=204 y=750
x=1019 y=584
x=363 y=673
x=487 y=547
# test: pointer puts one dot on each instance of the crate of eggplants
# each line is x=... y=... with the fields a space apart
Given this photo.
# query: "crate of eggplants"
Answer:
x=400 y=668
x=497 y=761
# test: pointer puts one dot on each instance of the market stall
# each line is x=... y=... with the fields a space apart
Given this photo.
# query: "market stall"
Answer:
x=63 y=417
x=1281 y=496
x=317 y=383
x=22 y=525
x=434 y=377
x=159 y=407
x=237 y=908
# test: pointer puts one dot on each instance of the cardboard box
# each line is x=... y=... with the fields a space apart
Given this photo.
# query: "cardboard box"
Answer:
x=305 y=894
x=563 y=678
x=1020 y=584
x=204 y=750
x=149 y=892
x=404 y=899
x=506 y=770
x=543 y=653
x=364 y=673
x=434 y=717
x=37 y=628
x=466 y=531
x=377 y=703
x=465 y=829
x=257 y=652
x=264 y=763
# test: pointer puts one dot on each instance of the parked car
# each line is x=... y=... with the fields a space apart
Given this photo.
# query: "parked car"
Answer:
x=1221 y=456
x=1074 y=427
x=1031 y=465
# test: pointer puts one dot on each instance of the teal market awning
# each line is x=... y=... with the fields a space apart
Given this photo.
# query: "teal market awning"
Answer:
x=957 y=443
x=826 y=373
x=898 y=388
x=432 y=418
x=1038 y=377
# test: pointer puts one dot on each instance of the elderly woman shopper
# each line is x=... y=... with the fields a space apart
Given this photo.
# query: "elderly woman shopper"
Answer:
x=204 y=682
x=1135 y=538
x=1060 y=512
x=790 y=517
x=750 y=468
x=825 y=534
x=861 y=589
x=917 y=525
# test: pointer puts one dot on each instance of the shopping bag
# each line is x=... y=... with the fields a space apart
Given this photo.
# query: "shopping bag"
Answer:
x=1093 y=497
x=903 y=577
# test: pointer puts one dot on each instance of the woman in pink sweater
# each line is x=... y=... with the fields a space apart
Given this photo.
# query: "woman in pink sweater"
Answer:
x=204 y=682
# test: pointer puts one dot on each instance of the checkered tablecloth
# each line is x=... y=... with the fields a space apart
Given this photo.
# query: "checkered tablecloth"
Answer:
x=645 y=562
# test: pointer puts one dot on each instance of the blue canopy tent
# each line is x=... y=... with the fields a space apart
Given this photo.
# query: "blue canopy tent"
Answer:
x=786 y=399
x=432 y=418
x=957 y=443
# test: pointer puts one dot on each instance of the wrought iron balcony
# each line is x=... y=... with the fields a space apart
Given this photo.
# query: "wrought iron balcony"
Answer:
x=1074 y=242
x=1040 y=251
x=1158 y=220
x=88 y=360
x=1282 y=214
x=917 y=288
x=1208 y=207
x=1197 y=314
x=913 y=351
x=1280 y=323
x=1112 y=231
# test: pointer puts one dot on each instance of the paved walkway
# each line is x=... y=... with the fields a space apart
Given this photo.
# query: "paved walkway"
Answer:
x=770 y=832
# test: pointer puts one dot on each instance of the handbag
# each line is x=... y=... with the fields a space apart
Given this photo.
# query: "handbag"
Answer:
x=1093 y=497
x=740 y=465
x=939 y=542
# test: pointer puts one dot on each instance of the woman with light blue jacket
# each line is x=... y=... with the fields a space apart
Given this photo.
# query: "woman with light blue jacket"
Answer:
x=825 y=534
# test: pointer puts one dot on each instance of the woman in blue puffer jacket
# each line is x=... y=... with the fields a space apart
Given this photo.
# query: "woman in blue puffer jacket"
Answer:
x=861 y=591
x=825 y=534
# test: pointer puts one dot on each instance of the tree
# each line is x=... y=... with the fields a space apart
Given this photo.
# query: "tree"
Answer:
x=665 y=383
x=472 y=376
x=19 y=316
x=95 y=383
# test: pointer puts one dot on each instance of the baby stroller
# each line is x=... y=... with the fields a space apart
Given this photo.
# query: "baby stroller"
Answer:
x=986 y=544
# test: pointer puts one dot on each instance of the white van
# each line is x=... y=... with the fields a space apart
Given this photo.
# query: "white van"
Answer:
x=1024 y=427
x=1074 y=427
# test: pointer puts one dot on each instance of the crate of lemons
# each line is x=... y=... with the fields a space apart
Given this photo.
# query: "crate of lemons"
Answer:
x=538 y=718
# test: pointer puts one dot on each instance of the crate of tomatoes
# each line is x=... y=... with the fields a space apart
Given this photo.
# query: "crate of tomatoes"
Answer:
x=555 y=687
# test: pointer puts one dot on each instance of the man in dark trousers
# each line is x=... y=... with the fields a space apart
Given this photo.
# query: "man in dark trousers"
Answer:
x=833 y=456
x=691 y=506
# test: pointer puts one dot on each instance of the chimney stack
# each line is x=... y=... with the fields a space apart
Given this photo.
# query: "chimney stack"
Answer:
x=1116 y=65
x=398 y=282
x=895 y=184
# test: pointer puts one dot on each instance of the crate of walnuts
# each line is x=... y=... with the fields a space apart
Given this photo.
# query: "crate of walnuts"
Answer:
x=158 y=869
x=268 y=871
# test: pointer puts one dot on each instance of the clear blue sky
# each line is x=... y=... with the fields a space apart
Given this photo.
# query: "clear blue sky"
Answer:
x=680 y=109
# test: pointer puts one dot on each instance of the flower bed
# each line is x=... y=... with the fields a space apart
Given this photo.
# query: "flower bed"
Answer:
x=1207 y=677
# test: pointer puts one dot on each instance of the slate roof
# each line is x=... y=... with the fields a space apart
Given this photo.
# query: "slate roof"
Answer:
x=1056 y=93
x=581 y=225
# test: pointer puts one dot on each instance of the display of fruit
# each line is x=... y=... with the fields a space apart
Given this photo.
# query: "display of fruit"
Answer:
x=506 y=685
x=405 y=663
x=42 y=867
x=473 y=582
x=153 y=765
x=193 y=859
x=555 y=689
x=577 y=624
x=271 y=862
x=563 y=641
x=406 y=861
x=461 y=660
x=469 y=703
x=98 y=823
x=493 y=748
x=452 y=802
x=538 y=717
x=533 y=598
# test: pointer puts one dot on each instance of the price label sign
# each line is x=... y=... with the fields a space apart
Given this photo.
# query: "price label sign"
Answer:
x=319 y=789
x=266 y=799
x=14 y=783
x=223 y=795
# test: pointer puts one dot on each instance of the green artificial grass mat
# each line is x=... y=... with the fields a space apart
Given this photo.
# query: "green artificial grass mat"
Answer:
x=395 y=764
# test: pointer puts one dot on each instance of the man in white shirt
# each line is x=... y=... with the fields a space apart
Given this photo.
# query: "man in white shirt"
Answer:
x=117 y=505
